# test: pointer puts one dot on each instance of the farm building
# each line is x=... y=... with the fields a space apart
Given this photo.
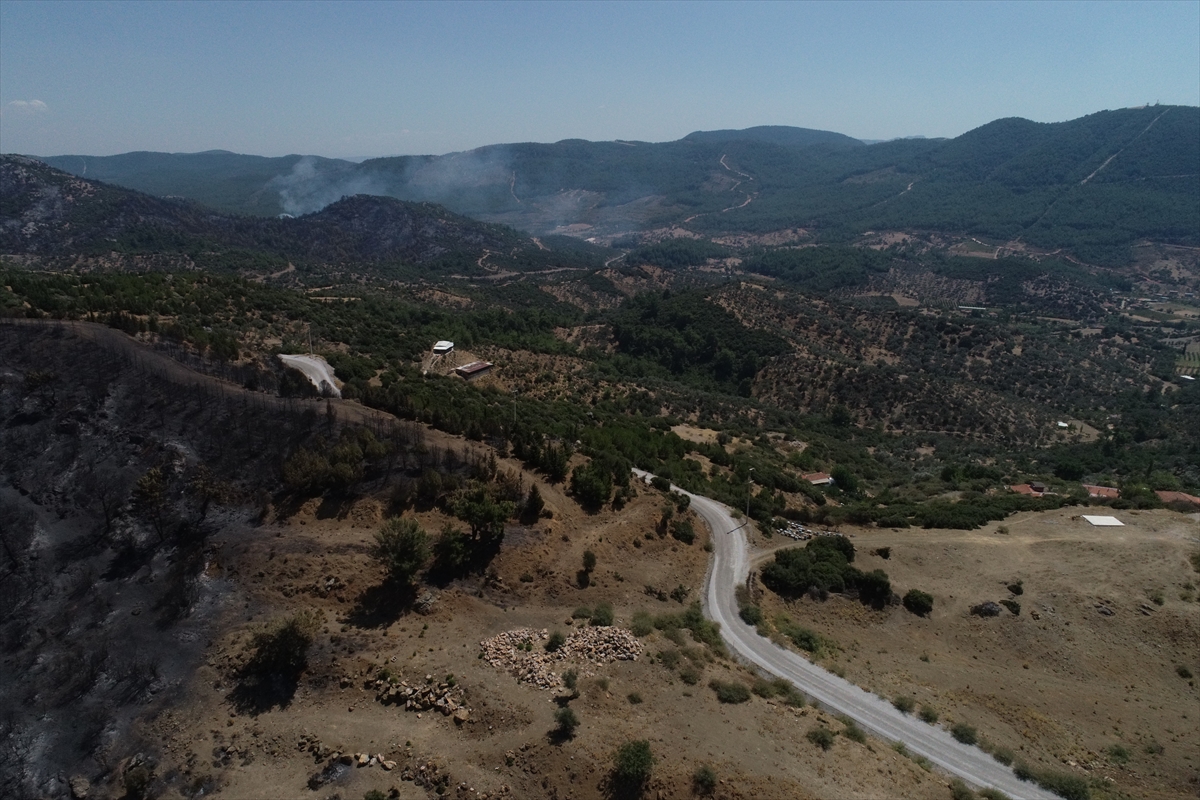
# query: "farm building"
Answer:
x=1106 y=492
x=476 y=369
x=818 y=479
x=442 y=347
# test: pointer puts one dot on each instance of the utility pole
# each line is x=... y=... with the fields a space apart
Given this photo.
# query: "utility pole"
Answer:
x=514 y=391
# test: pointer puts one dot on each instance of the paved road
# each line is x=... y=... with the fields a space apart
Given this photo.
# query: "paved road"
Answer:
x=730 y=565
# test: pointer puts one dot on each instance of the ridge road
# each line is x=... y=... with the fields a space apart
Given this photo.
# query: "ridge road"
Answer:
x=729 y=568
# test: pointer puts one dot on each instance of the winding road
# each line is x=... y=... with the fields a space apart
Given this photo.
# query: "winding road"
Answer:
x=729 y=568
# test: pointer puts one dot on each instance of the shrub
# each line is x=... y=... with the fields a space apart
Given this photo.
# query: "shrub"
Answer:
x=884 y=552
x=634 y=698
x=853 y=732
x=822 y=737
x=1012 y=605
x=1069 y=787
x=918 y=602
x=1017 y=587
x=730 y=691
x=570 y=679
x=704 y=780
x=602 y=615
x=375 y=794
x=751 y=615
x=1118 y=754
x=689 y=675
x=960 y=791
x=964 y=733
x=402 y=547
x=1003 y=755
x=764 y=688
x=1183 y=672
x=583 y=612
x=669 y=658
x=1023 y=771
x=556 y=640
x=929 y=714
x=993 y=794
x=904 y=704
x=1154 y=749
x=589 y=561
x=633 y=762
x=642 y=624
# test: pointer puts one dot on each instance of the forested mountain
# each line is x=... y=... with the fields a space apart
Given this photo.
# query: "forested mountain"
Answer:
x=1093 y=185
x=48 y=213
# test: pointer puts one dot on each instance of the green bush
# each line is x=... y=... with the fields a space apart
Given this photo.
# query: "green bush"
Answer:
x=669 y=658
x=904 y=704
x=402 y=547
x=689 y=675
x=567 y=721
x=634 y=698
x=1003 y=755
x=853 y=732
x=993 y=794
x=583 y=612
x=918 y=602
x=632 y=763
x=751 y=615
x=1117 y=754
x=704 y=780
x=1012 y=605
x=929 y=714
x=964 y=733
x=1017 y=587
x=570 y=679
x=960 y=791
x=375 y=794
x=642 y=624
x=1183 y=672
x=822 y=737
x=730 y=691
x=602 y=615
x=556 y=640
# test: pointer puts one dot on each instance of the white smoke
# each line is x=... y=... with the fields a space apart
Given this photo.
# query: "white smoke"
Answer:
x=311 y=186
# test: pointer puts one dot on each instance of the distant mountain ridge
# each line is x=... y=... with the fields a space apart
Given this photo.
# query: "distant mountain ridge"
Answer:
x=775 y=134
x=48 y=213
x=1093 y=185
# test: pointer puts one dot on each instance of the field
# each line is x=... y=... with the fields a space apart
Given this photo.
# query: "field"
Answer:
x=1063 y=682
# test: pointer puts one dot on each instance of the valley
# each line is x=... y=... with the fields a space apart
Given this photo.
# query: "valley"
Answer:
x=222 y=582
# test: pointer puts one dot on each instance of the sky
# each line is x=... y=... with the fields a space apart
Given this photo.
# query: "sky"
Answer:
x=354 y=80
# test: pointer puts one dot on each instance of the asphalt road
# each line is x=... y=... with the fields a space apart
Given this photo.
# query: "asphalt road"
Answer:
x=729 y=568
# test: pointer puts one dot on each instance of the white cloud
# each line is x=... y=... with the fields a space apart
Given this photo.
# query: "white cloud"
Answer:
x=25 y=108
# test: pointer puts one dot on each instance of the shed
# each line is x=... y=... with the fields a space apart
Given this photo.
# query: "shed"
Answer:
x=818 y=479
x=1107 y=492
x=442 y=347
x=474 y=370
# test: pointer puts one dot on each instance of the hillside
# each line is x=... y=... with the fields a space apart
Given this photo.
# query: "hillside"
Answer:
x=48 y=214
x=1093 y=185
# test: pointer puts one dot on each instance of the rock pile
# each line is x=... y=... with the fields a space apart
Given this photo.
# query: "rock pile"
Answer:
x=430 y=696
x=522 y=653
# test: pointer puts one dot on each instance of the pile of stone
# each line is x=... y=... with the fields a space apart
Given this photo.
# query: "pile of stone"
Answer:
x=430 y=696
x=600 y=645
x=522 y=652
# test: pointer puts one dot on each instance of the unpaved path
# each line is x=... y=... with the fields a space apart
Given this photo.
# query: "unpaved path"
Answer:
x=729 y=569
x=749 y=197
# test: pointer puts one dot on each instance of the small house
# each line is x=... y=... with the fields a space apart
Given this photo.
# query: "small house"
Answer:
x=818 y=479
x=1102 y=492
x=443 y=347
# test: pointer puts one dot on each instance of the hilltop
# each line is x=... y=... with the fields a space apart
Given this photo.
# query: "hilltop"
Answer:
x=49 y=214
x=1093 y=185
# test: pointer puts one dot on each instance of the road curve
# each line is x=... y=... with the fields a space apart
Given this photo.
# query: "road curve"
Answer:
x=729 y=568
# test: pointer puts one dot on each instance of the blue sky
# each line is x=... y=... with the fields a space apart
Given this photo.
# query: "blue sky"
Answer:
x=366 y=79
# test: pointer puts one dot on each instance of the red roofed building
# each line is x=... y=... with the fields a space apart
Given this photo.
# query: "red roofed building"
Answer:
x=474 y=370
x=1105 y=492
x=818 y=479
x=1179 y=497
